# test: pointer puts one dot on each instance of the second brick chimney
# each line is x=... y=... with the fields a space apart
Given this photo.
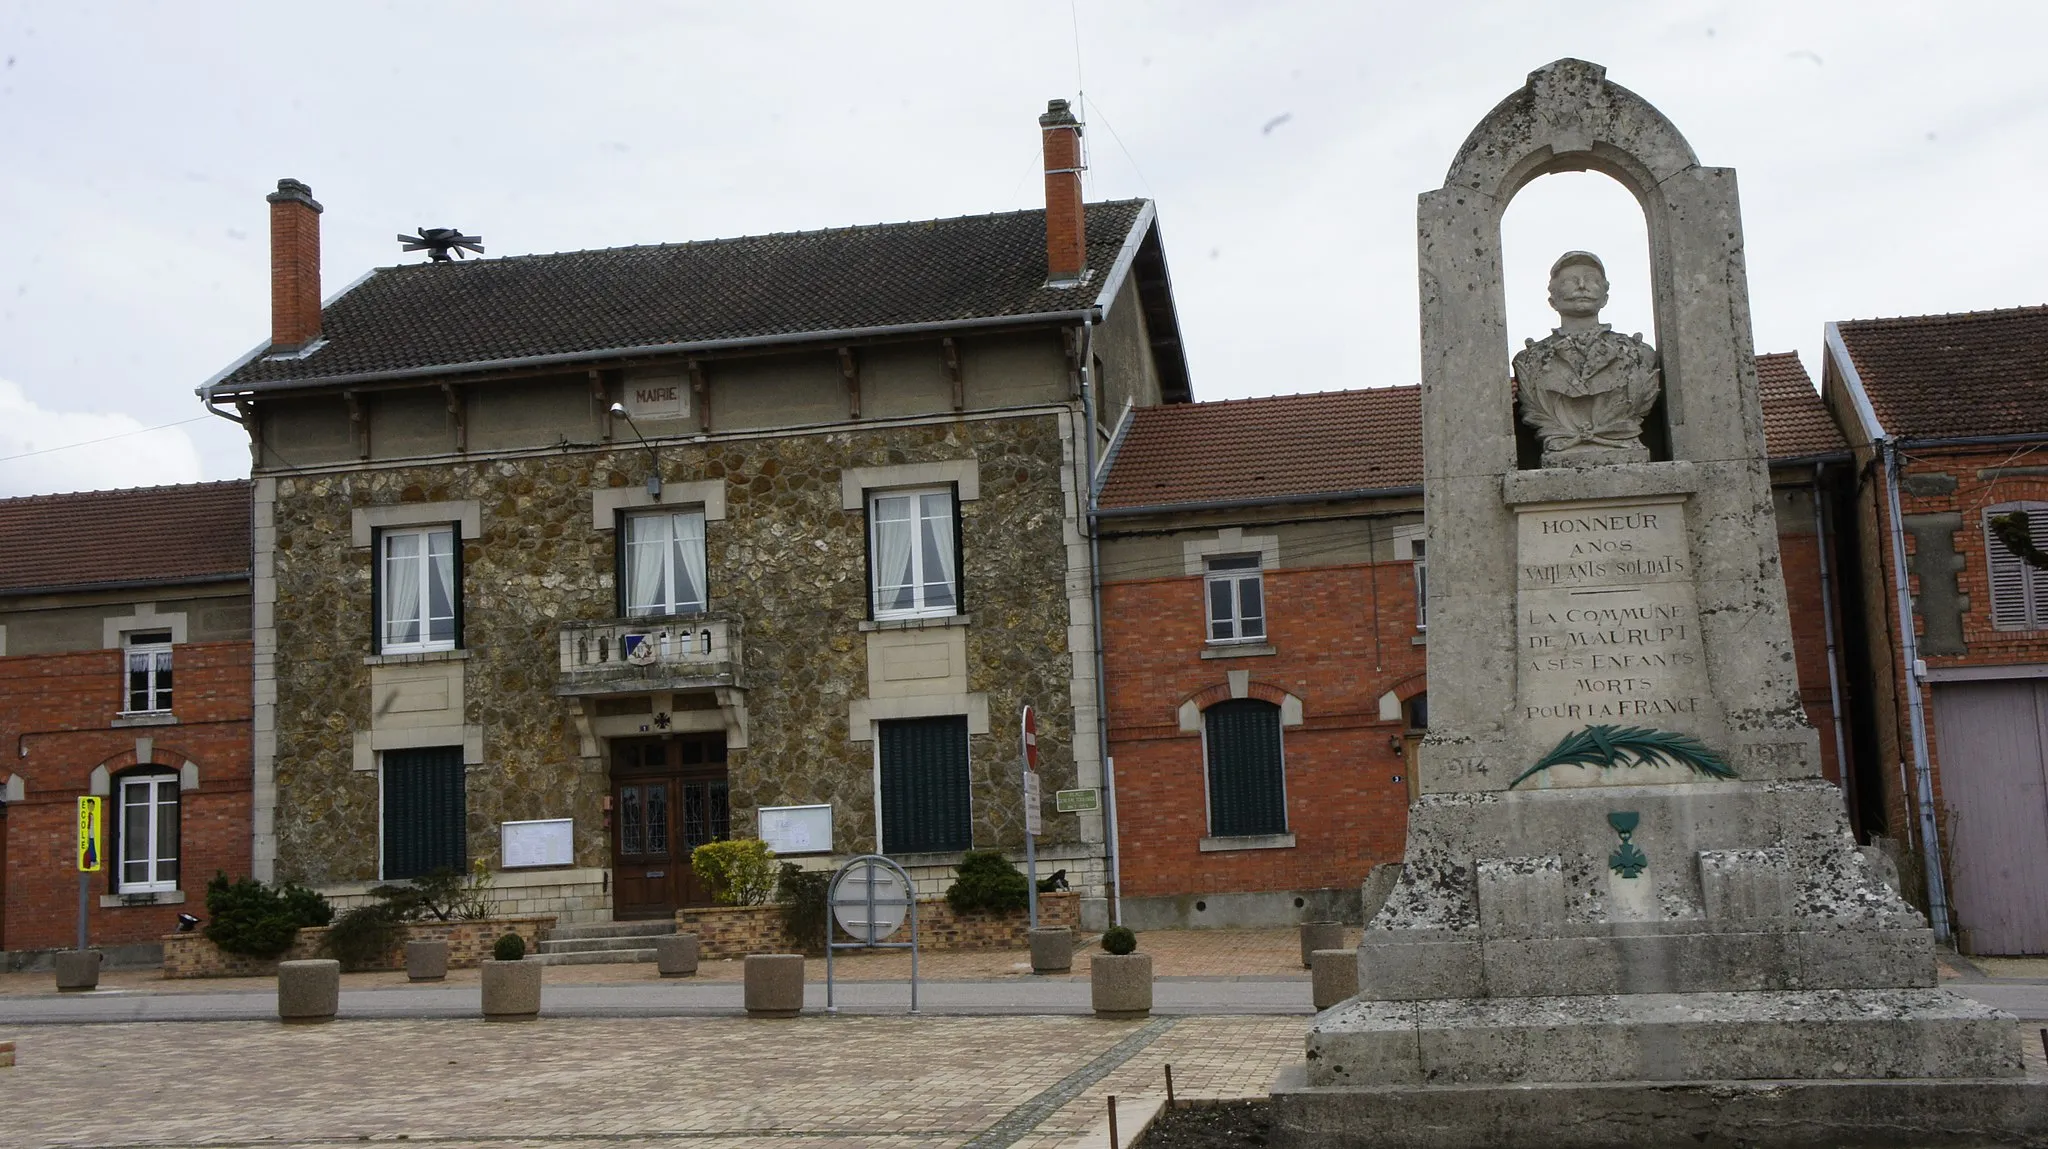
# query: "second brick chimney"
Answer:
x=294 y=265
x=1066 y=237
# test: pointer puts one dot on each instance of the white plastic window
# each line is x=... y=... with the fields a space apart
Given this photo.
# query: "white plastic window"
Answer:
x=149 y=834
x=912 y=547
x=418 y=587
x=665 y=563
x=1237 y=599
x=147 y=681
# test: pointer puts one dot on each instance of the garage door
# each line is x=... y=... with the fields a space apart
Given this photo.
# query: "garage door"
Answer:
x=1993 y=750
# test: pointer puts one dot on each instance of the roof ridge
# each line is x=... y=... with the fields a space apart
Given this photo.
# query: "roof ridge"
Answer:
x=732 y=239
x=108 y=492
x=1990 y=313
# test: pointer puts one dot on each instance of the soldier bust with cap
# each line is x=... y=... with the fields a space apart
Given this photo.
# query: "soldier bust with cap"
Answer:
x=1585 y=388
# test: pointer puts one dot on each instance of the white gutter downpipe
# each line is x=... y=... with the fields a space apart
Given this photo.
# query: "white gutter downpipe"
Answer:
x=1909 y=648
x=1088 y=493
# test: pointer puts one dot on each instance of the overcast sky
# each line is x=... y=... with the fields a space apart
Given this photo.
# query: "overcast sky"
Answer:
x=1891 y=159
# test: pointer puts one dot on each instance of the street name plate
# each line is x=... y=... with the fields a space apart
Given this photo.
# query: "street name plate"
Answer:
x=1077 y=801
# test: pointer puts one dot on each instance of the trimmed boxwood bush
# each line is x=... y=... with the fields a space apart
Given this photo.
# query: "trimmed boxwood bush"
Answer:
x=988 y=883
x=738 y=872
x=510 y=947
x=1119 y=940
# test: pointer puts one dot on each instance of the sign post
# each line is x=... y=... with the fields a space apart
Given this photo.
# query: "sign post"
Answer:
x=91 y=853
x=1032 y=815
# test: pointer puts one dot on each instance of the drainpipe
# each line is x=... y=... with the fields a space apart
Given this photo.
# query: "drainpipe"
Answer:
x=1827 y=622
x=1909 y=652
x=1088 y=492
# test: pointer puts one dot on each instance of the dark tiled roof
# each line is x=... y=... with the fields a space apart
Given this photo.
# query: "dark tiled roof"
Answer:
x=1342 y=441
x=1796 y=424
x=447 y=315
x=198 y=532
x=1941 y=376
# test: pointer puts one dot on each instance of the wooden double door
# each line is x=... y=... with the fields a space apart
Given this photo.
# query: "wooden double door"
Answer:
x=669 y=797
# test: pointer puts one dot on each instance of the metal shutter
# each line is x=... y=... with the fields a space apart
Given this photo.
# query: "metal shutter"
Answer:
x=425 y=812
x=1247 y=794
x=926 y=805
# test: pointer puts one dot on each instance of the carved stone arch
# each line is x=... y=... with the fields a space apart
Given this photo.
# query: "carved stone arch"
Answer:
x=1189 y=712
x=146 y=753
x=1394 y=703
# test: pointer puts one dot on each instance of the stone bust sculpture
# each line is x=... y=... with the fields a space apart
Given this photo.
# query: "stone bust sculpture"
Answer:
x=1585 y=388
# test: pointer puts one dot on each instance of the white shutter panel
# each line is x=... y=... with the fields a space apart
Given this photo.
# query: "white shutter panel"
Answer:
x=2037 y=578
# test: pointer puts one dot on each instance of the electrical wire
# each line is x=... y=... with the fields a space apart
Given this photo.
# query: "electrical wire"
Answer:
x=102 y=439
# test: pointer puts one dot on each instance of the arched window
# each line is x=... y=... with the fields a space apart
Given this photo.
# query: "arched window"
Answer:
x=146 y=831
x=1247 y=787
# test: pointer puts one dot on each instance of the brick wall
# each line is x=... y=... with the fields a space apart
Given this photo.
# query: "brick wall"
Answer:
x=56 y=720
x=1347 y=797
x=191 y=955
x=736 y=931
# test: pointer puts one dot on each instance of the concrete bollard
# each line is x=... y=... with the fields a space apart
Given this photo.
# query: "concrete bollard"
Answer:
x=426 y=960
x=675 y=955
x=512 y=989
x=775 y=985
x=1333 y=977
x=1052 y=950
x=308 y=990
x=1120 y=985
x=1320 y=936
x=78 y=970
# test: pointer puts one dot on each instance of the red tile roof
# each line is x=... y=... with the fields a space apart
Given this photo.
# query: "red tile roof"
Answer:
x=194 y=532
x=1334 y=442
x=1941 y=376
x=1796 y=424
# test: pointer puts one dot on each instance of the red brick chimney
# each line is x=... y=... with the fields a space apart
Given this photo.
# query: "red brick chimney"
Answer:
x=1066 y=239
x=294 y=265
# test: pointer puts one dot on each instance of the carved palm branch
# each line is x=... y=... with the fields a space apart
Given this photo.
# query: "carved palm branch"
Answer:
x=2013 y=532
x=1630 y=746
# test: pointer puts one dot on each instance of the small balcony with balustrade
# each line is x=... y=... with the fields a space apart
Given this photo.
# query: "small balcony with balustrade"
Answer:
x=641 y=655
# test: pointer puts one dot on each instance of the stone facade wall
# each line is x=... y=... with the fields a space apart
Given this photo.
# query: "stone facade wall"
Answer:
x=736 y=931
x=787 y=561
x=469 y=942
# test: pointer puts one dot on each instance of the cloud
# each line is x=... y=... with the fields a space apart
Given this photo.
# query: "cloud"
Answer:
x=92 y=452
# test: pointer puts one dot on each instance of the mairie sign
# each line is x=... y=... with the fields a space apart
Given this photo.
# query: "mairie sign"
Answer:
x=92 y=845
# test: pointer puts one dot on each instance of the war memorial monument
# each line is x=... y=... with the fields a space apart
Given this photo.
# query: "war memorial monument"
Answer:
x=1631 y=911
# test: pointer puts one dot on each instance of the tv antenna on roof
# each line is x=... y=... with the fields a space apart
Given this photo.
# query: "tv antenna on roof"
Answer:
x=437 y=242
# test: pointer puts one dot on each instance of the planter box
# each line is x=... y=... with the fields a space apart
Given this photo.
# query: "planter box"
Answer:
x=426 y=959
x=675 y=955
x=1052 y=950
x=308 y=990
x=1320 y=936
x=78 y=970
x=774 y=985
x=469 y=943
x=1120 y=985
x=736 y=931
x=512 y=990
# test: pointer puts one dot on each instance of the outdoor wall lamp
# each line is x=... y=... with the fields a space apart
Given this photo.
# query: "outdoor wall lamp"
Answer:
x=187 y=923
x=653 y=460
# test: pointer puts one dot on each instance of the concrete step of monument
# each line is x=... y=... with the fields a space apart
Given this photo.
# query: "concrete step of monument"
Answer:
x=596 y=957
x=1825 y=1034
x=560 y=945
x=616 y=929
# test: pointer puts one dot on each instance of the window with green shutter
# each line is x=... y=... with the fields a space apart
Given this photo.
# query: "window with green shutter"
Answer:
x=926 y=804
x=425 y=812
x=1247 y=793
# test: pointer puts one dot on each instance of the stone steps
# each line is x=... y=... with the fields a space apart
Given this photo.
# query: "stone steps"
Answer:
x=614 y=929
x=595 y=957
x=556 y=945
x=604 y=943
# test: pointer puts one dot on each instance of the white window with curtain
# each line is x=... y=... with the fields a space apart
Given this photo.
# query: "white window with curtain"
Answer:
x=416 y=589
x=2019 y=590
x=1237 y=600
x=148 y=672
x=1421 y=585
x=912 y=549
x=148 y=833
x=664 y=563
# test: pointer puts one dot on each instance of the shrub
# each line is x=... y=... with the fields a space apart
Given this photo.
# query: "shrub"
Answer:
x=510 y=947
x=804 y=911
x=363 y=935
x=259 y=921
x=1119 y=940
x=988 y=883
x=739 y=872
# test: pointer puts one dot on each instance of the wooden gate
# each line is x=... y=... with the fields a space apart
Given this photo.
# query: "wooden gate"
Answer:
x=1993 y=739
x=668 y=797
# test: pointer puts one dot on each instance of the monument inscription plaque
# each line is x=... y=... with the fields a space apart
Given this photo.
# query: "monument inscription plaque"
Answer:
x=1607 y=627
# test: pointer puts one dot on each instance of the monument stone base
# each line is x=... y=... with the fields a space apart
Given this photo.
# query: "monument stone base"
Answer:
x=1954 y=1113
